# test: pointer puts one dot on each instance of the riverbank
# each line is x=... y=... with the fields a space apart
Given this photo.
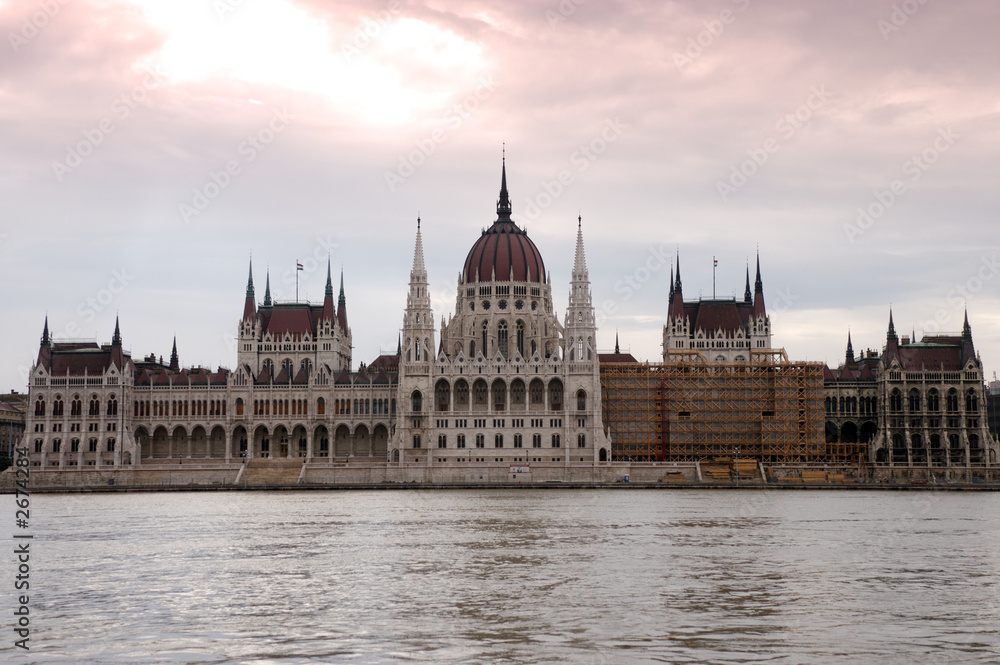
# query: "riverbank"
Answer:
x=298 y=474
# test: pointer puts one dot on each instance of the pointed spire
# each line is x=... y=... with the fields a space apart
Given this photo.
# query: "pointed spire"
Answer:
x=328 y=312
x=418 y=255
x=341 y=303
x=891 y=334
x=267 y=291
x=503 y=204
x=46 y=340
x=758 y=285
x=747 y=296
x=849 y=356
x=399 y=345
x=677 y=283
x=580 y=261
x=968 y=349
x=671 y=296
x=175 y=364
x=116 y=339
x=759 y=310
x=617 y=350
x=250 y=281
x=250 y=304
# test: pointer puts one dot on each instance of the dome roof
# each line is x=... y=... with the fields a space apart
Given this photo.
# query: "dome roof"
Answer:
x=504 y=250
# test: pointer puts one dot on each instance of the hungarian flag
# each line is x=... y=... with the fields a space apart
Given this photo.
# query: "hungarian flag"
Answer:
x=715 y=262
x=298 y=266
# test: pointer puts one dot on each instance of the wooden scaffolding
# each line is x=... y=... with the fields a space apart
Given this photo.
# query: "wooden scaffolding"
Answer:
x=688 y=409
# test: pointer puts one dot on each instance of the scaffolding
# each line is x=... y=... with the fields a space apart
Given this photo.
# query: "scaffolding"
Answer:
x=688 y=409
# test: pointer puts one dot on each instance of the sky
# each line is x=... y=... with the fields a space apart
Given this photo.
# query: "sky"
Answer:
x=149 y=148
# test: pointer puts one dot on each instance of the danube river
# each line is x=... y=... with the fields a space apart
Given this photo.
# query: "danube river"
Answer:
x=511 y=576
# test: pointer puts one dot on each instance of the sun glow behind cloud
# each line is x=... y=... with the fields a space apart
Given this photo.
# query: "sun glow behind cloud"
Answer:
x=383 y=71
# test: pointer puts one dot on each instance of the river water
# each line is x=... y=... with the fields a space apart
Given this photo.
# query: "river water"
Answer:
x=511 y=576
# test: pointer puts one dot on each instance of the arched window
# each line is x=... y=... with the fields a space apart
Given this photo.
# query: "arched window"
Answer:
x=442 y=395
x=57 y=406
x=417 y=400
x=896 y=401
x=536 y=391
x=517 y=392
x=520 y=338
x=485 y=326
x=112 y=406
x=416 y=348
x=76 y=406
x=555 y=395
x=462 y=393
x=581 y=400
x=502 y=338
x=239 y=406
x=499 y=390
x=39 y=407
x=479 y=393
x=472 y=349
x=320 y=406
x=286 y=365
x=933 y=400
x=971 y=401
x=914 y=400
x=952 y=401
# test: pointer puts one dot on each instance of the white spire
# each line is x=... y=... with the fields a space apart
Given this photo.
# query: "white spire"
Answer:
x=580 y=262
x=418 y=272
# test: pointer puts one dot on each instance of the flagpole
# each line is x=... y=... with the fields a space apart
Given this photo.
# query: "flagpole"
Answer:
x=715 y=264
x=296 y=281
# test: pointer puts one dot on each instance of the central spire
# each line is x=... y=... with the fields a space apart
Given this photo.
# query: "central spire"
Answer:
x=503 y=205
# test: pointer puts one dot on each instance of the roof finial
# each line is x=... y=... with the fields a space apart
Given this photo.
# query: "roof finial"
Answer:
x=503 y=205
x=116 y=340
x=617 y=351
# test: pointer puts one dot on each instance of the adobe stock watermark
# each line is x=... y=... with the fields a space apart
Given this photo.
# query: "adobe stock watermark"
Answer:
x=34 y=23
x=218 y=181
x=408 y=164
x=88 y=309
x=580 y=160
x=787 y=126
x=370 y=30
x=899 y=16
x=120 y=110
x=913 y=168
x=566 y=9
x=225 y=7
x=962 y=293
x=714 y=28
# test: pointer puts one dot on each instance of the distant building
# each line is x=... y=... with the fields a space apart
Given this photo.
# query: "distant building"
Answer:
x=918 y=404
x=11 y=421
x=506 y=381
x=993 y=407
x=720 y=329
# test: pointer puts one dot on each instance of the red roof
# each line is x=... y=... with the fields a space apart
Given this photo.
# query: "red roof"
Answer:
x=75 y=359
x=294 y=319
x=506 y=251
x=931 y=357
x=616 y=358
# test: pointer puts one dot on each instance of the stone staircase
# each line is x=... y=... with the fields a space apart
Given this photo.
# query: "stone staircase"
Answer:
x=263 y=472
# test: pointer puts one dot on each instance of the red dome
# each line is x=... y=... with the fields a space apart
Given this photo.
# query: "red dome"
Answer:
x=506 y=251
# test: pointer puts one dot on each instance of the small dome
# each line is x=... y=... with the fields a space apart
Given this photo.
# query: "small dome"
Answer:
x=504 y=249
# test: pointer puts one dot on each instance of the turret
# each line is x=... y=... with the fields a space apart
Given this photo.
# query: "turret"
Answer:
x=328 y=311
x=250 y=305
x=175 y=364
x=759 y=310
x=342 y=304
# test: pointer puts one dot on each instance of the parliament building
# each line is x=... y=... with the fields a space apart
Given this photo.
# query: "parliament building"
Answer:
x=502 y=382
